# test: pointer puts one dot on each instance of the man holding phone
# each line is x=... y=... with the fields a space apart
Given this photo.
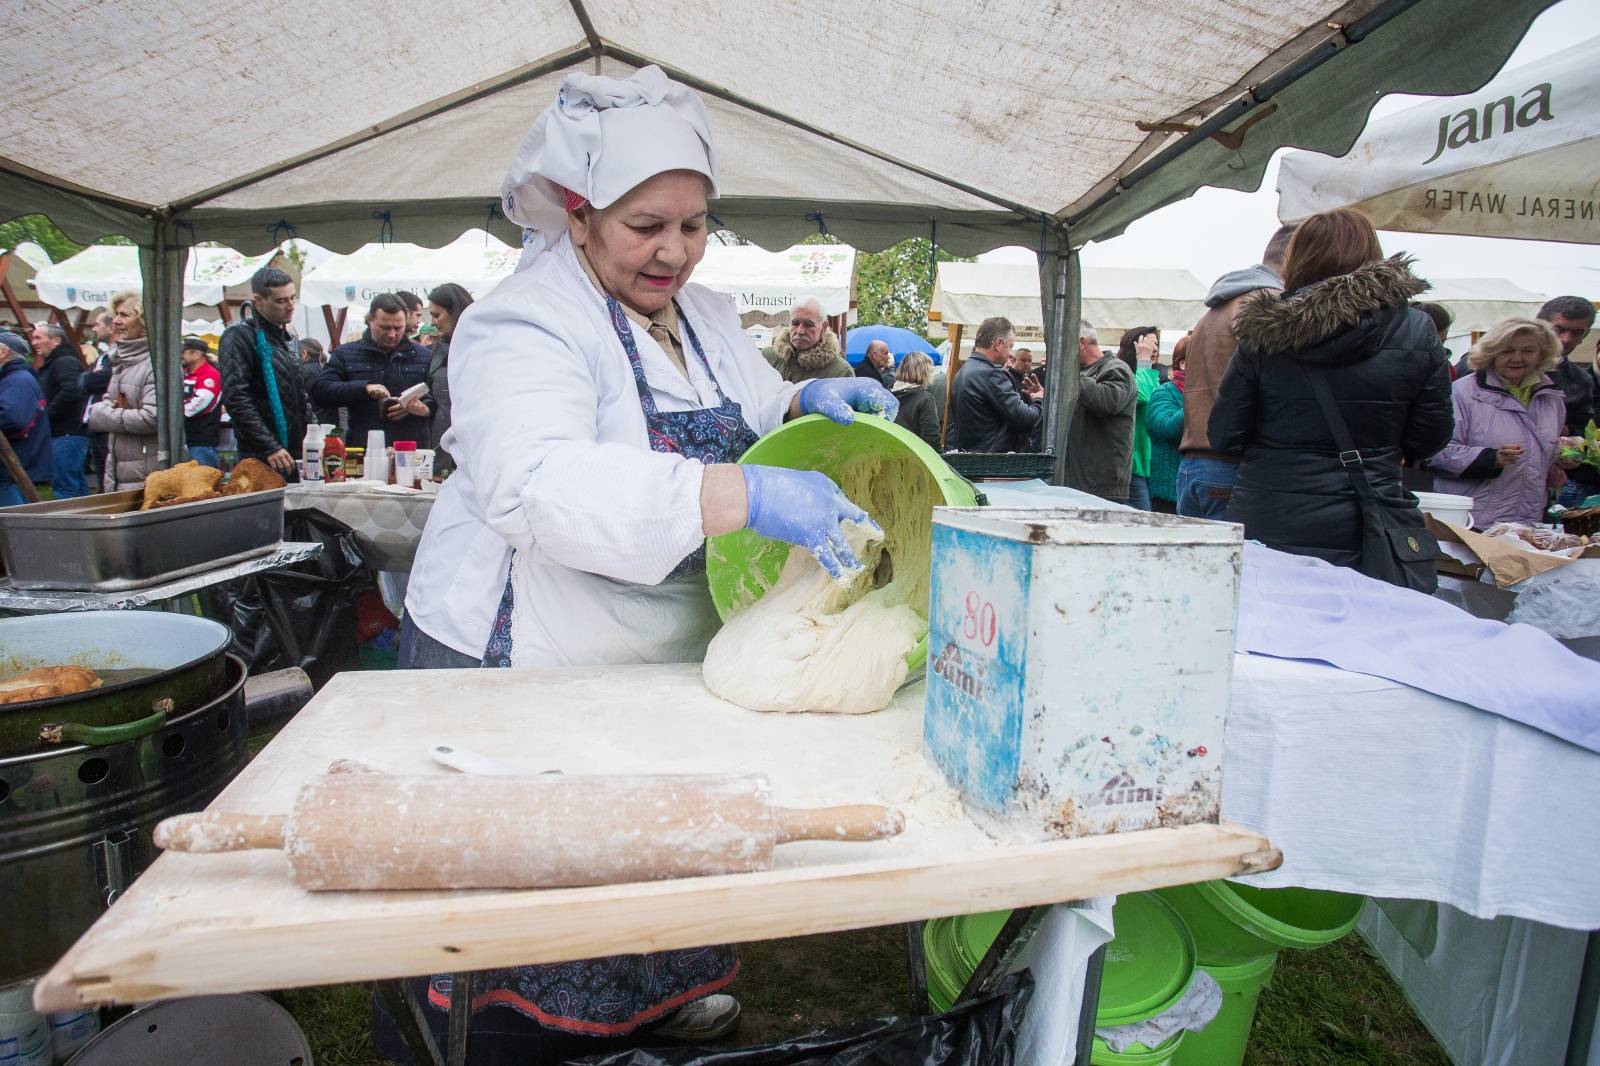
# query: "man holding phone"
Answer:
x=368 y=377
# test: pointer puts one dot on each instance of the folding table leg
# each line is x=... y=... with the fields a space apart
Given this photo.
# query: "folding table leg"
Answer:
x=1090 y=1006
x=460 y=1017
x=1008 y=945
x=410 y=1022
x=916 y=968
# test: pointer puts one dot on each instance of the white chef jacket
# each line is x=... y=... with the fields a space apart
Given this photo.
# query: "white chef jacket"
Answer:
x=553 y=461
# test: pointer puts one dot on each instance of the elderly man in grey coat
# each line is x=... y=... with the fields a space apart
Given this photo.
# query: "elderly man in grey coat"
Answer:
x=1100 y=440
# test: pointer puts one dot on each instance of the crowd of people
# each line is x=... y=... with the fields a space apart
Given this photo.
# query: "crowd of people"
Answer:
x=1314 y=381
x=81 y=418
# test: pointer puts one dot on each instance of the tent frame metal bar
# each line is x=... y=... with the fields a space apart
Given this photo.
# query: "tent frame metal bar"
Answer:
x=1340 y=38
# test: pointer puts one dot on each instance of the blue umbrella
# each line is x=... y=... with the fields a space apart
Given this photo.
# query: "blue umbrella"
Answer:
x=900 y=342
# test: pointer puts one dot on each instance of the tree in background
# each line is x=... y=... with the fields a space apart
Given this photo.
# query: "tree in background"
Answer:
x=894 y=286
x=41 y=231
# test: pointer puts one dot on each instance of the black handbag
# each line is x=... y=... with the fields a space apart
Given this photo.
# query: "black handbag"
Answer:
x=1395 y=543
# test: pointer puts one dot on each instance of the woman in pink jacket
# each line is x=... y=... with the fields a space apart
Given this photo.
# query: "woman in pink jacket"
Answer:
x=1508 y=418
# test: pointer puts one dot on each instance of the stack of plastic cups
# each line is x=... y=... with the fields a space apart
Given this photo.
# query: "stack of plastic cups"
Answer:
x=1238 y=932
x=375 y=462
x=24 y=1035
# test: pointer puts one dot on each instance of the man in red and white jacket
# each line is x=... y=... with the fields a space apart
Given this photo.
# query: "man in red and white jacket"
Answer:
x=202 y=403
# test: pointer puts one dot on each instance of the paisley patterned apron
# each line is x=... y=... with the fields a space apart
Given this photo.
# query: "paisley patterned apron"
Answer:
x=613 y=996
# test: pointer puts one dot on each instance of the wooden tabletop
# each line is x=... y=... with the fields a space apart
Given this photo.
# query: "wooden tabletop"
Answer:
x=204 y=924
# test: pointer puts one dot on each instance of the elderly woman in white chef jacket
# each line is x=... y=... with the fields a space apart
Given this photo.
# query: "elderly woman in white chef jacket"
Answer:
x=600 y=406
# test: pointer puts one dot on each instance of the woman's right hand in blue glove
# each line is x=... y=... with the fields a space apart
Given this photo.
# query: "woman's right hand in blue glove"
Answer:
x=806 y=508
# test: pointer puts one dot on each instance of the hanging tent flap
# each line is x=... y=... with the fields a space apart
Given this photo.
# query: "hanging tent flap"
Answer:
x=1518 y=158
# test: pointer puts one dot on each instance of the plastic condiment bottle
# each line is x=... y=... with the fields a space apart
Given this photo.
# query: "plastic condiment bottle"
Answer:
x=405 y=463
x=376 y=464
x=311 y=453
x=333 y=454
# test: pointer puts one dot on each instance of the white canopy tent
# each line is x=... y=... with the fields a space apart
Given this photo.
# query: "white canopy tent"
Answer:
x=758 y=281
x=1115 y=299
x=88 y=280
x=17 y=268
x=414 y=147
x=1518 y=158
x=769 y=283
x=1478 y=303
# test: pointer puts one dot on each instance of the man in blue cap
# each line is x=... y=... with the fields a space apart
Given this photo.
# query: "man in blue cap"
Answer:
x=22 y=418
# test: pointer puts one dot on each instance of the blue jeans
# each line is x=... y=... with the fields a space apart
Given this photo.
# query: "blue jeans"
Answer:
x=1138 y=493
x=205 y=455
x=1205 y=486
x=67 y=456
x=418 y=651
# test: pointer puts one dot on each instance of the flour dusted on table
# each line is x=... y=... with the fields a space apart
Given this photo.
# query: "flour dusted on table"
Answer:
x=816 y=644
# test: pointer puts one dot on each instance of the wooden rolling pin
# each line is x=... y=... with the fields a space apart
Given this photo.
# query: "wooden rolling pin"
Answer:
x=382 y=831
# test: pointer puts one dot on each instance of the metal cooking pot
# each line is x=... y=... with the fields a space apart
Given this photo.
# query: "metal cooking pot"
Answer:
x=157 y=666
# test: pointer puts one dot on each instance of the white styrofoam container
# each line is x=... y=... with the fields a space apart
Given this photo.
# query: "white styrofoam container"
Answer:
x=1079 y=664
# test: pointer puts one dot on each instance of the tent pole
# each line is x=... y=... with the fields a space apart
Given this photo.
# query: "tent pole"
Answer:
x=951 y=366
x=161 y=268
x=1063 y=308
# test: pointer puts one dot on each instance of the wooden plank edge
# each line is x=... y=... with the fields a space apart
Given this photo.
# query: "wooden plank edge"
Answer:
x=488 y=930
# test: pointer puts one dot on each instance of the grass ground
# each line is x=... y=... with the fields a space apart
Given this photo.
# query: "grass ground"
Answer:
x=1332 y=1007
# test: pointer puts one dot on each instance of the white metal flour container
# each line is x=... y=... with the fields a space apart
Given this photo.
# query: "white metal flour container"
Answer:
x=1079 y=664
x=24 y=1035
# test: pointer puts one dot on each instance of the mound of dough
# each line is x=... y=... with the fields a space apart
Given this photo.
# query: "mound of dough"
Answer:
x=815 y=644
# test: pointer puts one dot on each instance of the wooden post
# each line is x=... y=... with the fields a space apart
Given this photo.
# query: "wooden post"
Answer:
x=76 y=332
x=335 y=325
x=953 y=364
x=226 y=312
x=11 y=297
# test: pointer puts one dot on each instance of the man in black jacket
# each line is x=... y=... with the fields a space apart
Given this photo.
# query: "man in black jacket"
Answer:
x=271 y=432
x=1571 y=317
x=877 y=364
x=988 y=414
x=367 y=377
x=60 y=367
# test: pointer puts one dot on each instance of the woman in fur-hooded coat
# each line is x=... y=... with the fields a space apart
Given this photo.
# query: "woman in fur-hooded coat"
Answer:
x=1388 y=376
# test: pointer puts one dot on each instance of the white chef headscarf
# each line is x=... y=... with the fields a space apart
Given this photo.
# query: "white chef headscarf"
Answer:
x=601 y=138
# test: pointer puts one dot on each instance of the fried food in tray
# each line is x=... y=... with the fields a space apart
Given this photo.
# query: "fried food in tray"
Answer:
x=47 y=682
x=184 y=483
x=252 y=475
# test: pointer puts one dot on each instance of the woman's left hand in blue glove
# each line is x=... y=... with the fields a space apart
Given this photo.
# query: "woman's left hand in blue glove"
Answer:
x=840 y=399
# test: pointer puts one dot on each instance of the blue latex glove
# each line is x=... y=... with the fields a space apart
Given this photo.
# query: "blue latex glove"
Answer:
x=841 y=398
x=806 y=508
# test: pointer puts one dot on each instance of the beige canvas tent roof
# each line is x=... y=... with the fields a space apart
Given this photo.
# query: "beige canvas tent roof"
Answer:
x=173 y=121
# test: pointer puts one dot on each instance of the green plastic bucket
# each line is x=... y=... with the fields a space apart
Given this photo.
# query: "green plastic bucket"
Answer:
x=1148 y=968
x=944 y=970
x=1137 y=1054
x=1236 y=924
x=742 y=566
x=1222 y=1043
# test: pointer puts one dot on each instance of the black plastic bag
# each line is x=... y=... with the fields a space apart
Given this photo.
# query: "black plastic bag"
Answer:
x=303 y=615
x=981 y=1032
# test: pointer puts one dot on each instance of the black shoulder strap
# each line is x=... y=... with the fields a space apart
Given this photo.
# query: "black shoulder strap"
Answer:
x=1349 y=454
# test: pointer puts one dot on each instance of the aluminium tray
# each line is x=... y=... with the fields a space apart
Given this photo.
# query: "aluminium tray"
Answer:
x=104 y=543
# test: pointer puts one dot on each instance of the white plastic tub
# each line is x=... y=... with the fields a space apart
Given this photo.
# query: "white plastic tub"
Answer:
x=1446 y=507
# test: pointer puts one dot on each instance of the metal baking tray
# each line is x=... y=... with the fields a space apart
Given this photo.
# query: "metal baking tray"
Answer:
x=104 y=543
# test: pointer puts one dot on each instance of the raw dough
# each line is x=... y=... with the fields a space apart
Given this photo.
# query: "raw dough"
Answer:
x=815 y=644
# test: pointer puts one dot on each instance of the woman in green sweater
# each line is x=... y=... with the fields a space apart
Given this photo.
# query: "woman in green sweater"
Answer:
x=1164 y=422
x=1138 y=349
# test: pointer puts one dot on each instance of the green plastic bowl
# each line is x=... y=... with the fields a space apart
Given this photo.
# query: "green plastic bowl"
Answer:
x=742 y=566
x=1234 y=924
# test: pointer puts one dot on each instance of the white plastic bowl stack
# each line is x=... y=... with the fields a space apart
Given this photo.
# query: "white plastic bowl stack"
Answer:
x=1446 y=507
